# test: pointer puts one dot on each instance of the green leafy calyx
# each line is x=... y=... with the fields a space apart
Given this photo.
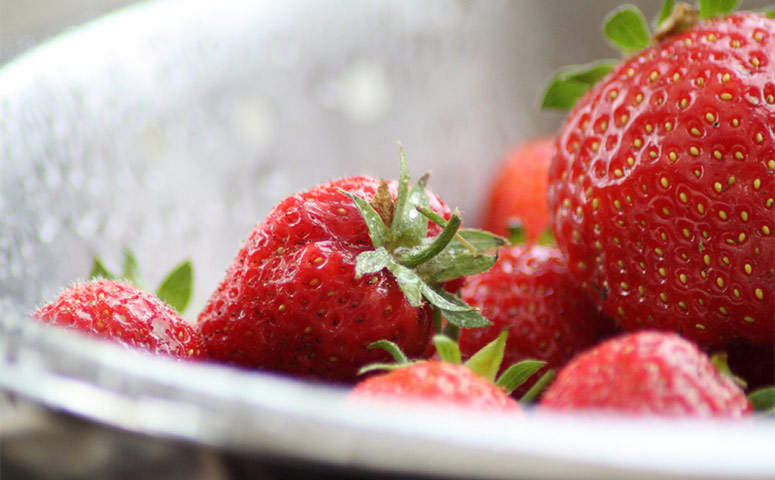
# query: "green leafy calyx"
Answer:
x=486 y=362
x=420 y=264
x=626 y=28
x=175 y=290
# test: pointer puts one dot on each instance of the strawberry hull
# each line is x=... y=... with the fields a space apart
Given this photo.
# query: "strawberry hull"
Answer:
x=663 y=180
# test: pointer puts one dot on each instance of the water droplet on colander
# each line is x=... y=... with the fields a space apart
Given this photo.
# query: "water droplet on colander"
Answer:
x=366 y=91
x=77 y=178
x=88 y=224
x=254 y=120
x=49 y=227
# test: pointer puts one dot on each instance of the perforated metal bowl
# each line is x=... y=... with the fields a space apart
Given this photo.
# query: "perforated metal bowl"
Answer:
x=172 y=127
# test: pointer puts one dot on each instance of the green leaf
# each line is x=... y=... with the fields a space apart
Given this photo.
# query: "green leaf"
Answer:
x=664 y=13
x=716 y=8
x=442 y=299
x=130 y=270
x=98 y=270
x=409 y=282
x=571 y=83
x=481 y=240
x=450 y=265
x=415 y=225
x=448 y=349
x=435 y=247
x=378 y=232
x=390 y=347
x=538 y=387
x=398 y=225
x=487 y=361
x=175 y=289
x=627 y=29
x=517 y=374
x=763 y=400
x=471 y=319
x=770 y=13
x=371 y=261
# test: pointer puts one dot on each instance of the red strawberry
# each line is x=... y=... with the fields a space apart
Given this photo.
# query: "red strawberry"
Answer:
x=119 y=312
x=517 y=196
x=646 y=373
x=445 y=381
x=437 y=383
x=326 y=274
x=529 y=293
x=663 y=184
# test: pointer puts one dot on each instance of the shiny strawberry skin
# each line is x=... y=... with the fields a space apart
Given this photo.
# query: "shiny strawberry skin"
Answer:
x=530 y=292
x=663 y=181
x=646 y=373
x=291 y=302
x=518 y=190
x=435 y=383
x=124 y=314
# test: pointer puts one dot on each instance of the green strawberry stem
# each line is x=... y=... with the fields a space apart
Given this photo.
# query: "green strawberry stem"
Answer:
x=436 y=246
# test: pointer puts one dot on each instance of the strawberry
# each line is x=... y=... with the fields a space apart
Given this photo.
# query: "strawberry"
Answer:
x=445 y=381
x=530 y=293
x=646 y=373
x=340 y=266
x=436 y=383
x=119 y=312
x=517 y=198
x=662 y=185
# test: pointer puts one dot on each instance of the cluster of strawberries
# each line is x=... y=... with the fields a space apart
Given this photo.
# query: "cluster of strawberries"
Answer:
x=658 y=191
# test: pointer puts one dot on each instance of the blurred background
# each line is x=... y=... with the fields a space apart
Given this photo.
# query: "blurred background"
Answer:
x=176 y=136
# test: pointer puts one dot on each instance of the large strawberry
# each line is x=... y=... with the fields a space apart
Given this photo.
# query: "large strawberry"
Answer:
x=663 y=182
x=340 y=266
x=446 y=381
x=646 y=373
x=119 y=312
x=530 y=293
x=517 y=194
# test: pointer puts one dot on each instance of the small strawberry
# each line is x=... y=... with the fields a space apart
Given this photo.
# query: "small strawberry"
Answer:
x=646 y=373
x=517 y=199
x=530 y=293
x=663 y=182
x=437 y=383
x=446 y=382
x=119 y=312
x=333 y=269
